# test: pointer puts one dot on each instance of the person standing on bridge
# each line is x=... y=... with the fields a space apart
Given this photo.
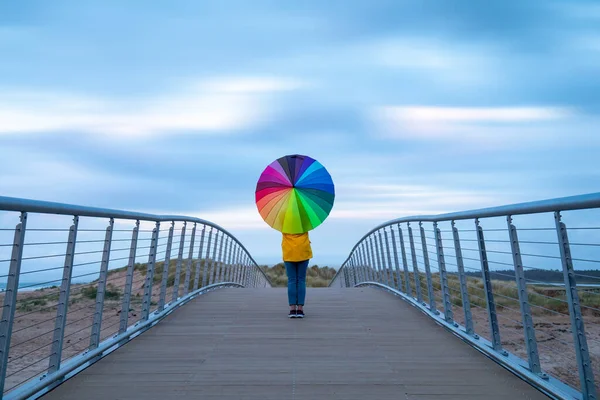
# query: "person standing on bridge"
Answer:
x=296 y=254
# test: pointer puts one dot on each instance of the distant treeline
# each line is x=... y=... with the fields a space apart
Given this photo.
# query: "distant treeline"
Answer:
x=540 y=275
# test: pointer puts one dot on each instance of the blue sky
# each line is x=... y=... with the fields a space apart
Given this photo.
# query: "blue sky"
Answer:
x=413 y=107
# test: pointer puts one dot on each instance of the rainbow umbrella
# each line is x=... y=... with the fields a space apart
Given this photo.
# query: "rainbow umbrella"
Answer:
x=294 y=194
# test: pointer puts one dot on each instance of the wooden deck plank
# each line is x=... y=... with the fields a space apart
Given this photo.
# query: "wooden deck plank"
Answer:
x=239 y=344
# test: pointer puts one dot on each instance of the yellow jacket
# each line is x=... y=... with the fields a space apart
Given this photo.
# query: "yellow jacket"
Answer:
x=296 y=247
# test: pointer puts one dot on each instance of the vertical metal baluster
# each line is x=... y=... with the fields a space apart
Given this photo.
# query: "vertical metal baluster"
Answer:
x=199 y=261
x=415 y=264
x=226 y=251
x=219 y=272
x=372 y=253
x=238 y=265
x=346 y=283
x=396 y=276
x=205 y=280
x=147 y=301
x=244 y=270
x=354 y=272
x=487 y=282
x=367 y=258
x=351 y=271
x=528 y=328
x=584 y=363
x=10 y=296
x=165 y=277
x=404 y=261
x=448 y=314
x=188 y=271
x=430 y=292
x=360 y=269
x=63 y=300
x=251 y=272
x=396 y=260
x=382 y=261
x=129 y=280
x=213 y=264
x=179 y=262
x=101 y=288
x=230 y=268
x=464 y=289
x=365 y=267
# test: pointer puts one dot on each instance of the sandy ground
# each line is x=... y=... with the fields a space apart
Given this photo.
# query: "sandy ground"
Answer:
x=35 y=318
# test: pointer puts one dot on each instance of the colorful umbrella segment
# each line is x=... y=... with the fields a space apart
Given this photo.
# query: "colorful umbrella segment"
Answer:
x=294 y=194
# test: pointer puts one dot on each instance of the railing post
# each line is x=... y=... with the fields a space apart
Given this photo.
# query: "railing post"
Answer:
x=223 y=257
x=382 y=260
x=372 y=254
x=205 y=279
x=188 y=270
x=528 y=327
x=212 y=267
x=199 y=261
x=366 y=271
x=165 y=277
x=230 y=269
x=101 y=288
x=487 y=282
x=147 y=301
x=361 y=268
x=129 y=279
x=179 y=262
x=448 y=314
x=245 y=271
x=464 y=289
x=10 y=296
x=219 y=272
x=363 y=253
x=350 y=273
x=584 y=364
x=238 y=265
x=346 y=284
x=63 y=300
x=404 y=261
x=430 y=292
x=415 y=264
x=396 y=277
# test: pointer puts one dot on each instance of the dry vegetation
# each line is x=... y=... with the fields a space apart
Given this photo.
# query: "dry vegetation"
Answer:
x=315 y=276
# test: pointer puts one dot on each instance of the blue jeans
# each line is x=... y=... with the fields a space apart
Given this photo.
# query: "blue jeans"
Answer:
x=296 y=272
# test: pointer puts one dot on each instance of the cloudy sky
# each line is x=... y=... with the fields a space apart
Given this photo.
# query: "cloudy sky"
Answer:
x=415 y=107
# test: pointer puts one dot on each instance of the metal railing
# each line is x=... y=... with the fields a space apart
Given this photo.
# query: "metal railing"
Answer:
x=521 y=283
x=79 y=282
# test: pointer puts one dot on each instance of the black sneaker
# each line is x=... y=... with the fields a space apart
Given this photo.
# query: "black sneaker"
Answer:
x=292 y=314
x=299 y=314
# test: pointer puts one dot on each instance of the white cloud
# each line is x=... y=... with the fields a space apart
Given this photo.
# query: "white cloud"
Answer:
x=421 y=122
x=382 y=202
x=221 y=104
x=442 y=60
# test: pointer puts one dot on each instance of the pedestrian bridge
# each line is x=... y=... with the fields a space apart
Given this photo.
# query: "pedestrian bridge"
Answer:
x=497 y=303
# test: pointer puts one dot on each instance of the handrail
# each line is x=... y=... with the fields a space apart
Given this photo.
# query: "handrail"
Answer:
x=97 y=275
x=48 y=207
x=444 y=271
x=580 y=202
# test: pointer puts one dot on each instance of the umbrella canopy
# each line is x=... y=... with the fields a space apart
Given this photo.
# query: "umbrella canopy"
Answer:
x=294 y=194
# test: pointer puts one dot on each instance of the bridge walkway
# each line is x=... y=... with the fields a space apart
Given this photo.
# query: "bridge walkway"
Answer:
x=359 y=343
